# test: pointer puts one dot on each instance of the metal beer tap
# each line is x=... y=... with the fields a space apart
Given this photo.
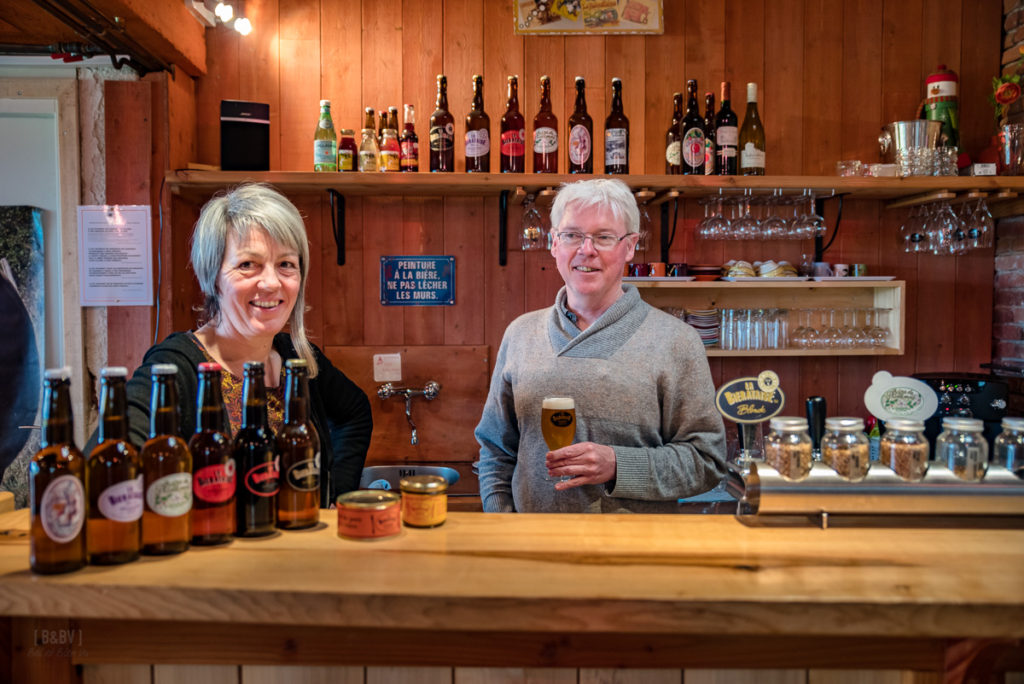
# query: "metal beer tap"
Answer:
x=429 y=392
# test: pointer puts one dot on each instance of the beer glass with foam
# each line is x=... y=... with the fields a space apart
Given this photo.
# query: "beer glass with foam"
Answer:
x=558 y=424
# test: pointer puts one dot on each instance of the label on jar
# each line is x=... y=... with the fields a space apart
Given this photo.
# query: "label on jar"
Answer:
x=579 y=145
x=304 y=475
x=513 y=143
x=424 y=510
x=615 y=140
x=368 y=160
x=122 y=502
x=389 y=160
x=345 y=160
x=545 y=140
x=693 y=147
x=262 y=480
x=170 y=495
x=62 y=508
x=478 y=143
x=215 y=483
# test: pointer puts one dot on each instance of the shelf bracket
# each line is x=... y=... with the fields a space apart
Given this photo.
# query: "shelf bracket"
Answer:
x=503 y=228
x=337 y=201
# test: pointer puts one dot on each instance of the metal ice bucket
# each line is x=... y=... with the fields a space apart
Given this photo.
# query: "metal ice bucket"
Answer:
x=906 y=135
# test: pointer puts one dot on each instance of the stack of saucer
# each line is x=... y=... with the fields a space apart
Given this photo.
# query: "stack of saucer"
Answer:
x=705 y=322
x=771 y=269
x=738 y=269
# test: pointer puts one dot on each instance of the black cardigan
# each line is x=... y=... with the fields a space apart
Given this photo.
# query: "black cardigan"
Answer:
x=339 y=410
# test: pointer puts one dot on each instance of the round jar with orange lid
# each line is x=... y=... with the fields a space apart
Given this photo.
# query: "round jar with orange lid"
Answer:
x=368 y=514
x=424 y=500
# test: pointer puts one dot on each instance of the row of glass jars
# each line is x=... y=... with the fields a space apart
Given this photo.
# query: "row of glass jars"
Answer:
x=903 y=447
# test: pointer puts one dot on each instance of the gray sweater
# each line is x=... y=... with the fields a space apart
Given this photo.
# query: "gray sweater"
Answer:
x=642 y=386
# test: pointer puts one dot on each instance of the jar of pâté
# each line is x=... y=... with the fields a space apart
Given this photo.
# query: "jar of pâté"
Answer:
x=424 y=500
x=368 y=514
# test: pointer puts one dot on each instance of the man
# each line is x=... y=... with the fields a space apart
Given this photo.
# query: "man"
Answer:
x=647 y=430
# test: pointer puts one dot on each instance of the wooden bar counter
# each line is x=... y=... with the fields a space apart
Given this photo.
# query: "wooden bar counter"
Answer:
x=544 y=590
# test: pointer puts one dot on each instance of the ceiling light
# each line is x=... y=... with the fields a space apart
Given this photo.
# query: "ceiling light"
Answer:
x=224 y=12
x=243 y=26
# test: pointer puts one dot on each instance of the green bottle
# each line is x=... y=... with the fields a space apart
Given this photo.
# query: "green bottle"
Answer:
x=325 y=142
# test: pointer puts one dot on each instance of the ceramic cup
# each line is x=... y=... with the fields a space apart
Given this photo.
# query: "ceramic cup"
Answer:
x=858 y=270
x=639 y=270
x=677 y=270
x=821 y=269
x=657 y=269
x=841 y=270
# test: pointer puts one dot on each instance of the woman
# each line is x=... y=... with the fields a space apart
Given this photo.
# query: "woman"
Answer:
x=251 y=257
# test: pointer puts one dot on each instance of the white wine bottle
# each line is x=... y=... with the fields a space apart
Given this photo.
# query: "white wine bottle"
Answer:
x=752 y=137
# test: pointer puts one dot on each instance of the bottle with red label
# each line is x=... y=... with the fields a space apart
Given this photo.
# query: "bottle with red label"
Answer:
x=692 y=136
x=166 y=470
x=113 y=480
x=545 y=133
x=213 y=468
x=513 y=132
x=581 y=133
x=56 y=489
x=409 y=143
x=256 y=460
x=298 y=444
x=478 y=132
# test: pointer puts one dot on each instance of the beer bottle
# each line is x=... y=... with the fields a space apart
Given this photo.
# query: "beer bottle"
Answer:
x=710 y=156
x=213 y=479
x=325 y=142
x=256 y=460
x=752 y=147
x=393 y=119
x=442 y=131
x=726 y=135
x=166 y=470
x=113 y=479
x=56 y=492
x=478 y=132
x=616 y=134
x=298 y=500
x=581 y=133
x=369 y=148
x=513 y=132
x=545 y=133
x=673 y=146
x=383 y=125
x=692 y=135
x=409 y=143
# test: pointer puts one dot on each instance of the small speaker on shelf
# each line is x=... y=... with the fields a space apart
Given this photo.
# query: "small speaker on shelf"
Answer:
x=244 y=136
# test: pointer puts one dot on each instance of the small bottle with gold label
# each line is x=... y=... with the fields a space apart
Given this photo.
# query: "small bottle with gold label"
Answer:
x=424 y=500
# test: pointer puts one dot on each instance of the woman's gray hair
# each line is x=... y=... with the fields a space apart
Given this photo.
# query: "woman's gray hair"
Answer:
x=239 y=211
x=609 y=193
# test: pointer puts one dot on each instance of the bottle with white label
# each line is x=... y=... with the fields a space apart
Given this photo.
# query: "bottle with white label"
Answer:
x=752 y=144
x=113 y=480
x=692 y=136
x=726 y=135
x=369 y=147
x=56 y=488
x=325 y=141
x=616 y=134
x=298 y=444
x=166 y=470
x=581 y=133
x=478 y=132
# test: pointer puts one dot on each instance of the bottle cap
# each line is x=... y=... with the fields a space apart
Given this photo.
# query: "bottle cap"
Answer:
x=904 y=425
x=616 y=80
x=325 y=103
x=209 y=367
x=62 y=373
x=578 y=80
x=253 y=366
x=114 y=372
x=1013 y=423
x=963 y=424
x=788 y=423
x=163 y=369
x=751 y=92
x=844 y=424
x=296 y=363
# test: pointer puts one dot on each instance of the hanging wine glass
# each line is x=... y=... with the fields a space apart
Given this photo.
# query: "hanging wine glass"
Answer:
x=533 y=234
x=773 y=226
x=746 y=226
x=645 y=228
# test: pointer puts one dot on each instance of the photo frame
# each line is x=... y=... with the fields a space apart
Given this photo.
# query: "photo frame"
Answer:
x=588 y=17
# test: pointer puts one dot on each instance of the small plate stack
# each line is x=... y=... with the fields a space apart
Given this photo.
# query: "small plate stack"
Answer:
x=705 y=322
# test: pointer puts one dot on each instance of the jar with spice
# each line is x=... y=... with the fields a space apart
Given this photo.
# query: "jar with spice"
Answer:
x=424 y=500
x=905 y=449
x=963 y=447
x=844 y=447
x=1008 y=449
x=348 y=152
x=787 y=447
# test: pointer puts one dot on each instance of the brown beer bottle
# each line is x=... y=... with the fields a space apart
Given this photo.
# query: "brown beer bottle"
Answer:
x=673 y=139
x=513 y=132
x=166 y=470
x=393 y=119
x=256 y=460
x=213 y=477
x=56 y=491
x=616 y=134
x=442 y=131
x=545 y=133
x=113 y=480
x=298 y=500
x=478 y=132
x=581 y=133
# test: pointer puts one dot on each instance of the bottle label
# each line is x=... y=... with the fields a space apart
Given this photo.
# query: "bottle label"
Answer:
x=305 y=475
x=579 y=145
x=513 y=143
x=410 y=154
x=751 y=157
x=615 y=140
x=709 y=157
x=62 y=509
x=327 y=123
x=727 y=136
x=263 y=480
x=545 y=140
x=345 y=160
x=442 y=139
x=122 y=502
x=215 y=483
x=171 y=495
x=693 y=147
x=478 y=143
x=389 y=160
x=367 y=160
x=674 y=153
x=324 y=152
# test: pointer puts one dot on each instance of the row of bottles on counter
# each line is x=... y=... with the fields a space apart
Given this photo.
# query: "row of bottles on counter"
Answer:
x=708 y=144
x=121 y=501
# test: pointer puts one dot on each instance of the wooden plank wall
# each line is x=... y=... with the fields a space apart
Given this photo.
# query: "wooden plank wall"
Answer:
x=830 y=73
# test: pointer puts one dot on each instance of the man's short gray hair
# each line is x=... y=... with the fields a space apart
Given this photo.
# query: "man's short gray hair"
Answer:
x=609 y=193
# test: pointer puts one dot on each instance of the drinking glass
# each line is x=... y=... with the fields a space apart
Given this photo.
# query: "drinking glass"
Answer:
x=558 y=425
x=746 y=226
x=533 y=235
x=773 y=226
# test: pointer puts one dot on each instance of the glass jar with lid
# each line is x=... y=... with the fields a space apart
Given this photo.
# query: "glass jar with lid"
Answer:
x=1008 y=449
x=347 y=150
x=905 y=449
x=963 y=447
x=389 y=151
x=787 y=447
x=844 y=447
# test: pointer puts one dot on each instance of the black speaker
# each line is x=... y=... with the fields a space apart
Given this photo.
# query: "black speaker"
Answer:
x=244 y=136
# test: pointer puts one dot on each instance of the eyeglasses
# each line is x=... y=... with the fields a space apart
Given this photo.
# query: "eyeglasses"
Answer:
x=601 y=241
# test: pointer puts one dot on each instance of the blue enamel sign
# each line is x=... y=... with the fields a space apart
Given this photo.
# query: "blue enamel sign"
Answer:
x=417 y=280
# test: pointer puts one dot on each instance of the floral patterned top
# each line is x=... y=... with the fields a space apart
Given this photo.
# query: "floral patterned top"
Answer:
x=231 y=389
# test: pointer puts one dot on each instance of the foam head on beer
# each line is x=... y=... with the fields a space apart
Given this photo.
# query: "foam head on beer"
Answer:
x=558 y=421
x=559 y=403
